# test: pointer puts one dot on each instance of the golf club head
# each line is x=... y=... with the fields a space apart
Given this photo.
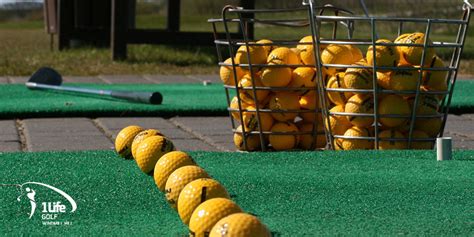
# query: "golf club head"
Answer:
x=47 y=76
x=155 y=98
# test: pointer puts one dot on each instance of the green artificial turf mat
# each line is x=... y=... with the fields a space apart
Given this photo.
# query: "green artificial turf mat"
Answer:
x=462 y=101
x=179 y=99
x=295 y=194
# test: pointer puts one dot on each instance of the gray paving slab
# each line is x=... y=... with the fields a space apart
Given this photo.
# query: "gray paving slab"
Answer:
x=76 y=79
x=112 y=125
x=206 y=125
x=74 y=143
x=463 y=143
x=188 y=133
x=460 y=142
x=461 y=125
x=9 y=138
x=193 y=145
x=125 y=79
x=228 y=146
x=465 y=77
x=64 y=134
x=176 y=133
x=468 y=116
x=4 y=80
x=209 y=129
x=187 y=139
x=227 y=138
x=170 y=79
x=18 y=80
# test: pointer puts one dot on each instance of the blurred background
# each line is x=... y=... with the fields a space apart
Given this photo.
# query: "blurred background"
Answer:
x=25 y=45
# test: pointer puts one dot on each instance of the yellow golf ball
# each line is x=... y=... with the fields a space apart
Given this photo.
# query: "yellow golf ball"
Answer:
x=178 y=179
x=124 y=139
x=142 y=136
x=150 y=151
x=240 y=225
x=167 y=164
x=197 y=192
x=206 y=215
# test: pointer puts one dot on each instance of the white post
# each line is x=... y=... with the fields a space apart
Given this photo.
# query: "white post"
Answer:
x=444 y=148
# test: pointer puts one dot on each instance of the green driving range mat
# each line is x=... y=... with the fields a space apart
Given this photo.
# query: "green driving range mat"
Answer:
x=294 y=194
x=178 y=99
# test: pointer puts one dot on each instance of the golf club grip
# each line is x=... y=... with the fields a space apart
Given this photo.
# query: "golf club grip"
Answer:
x=143 y=97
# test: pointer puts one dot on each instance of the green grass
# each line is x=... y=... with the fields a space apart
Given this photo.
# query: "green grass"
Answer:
x=24 y=47
x=22 y=24
x=293 y=193
x=24 y=51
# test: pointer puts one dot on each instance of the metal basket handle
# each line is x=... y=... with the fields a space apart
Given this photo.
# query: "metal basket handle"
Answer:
x=467 y=3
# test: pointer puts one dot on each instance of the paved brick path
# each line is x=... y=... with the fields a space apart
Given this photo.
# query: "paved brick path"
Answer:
x=188 y=133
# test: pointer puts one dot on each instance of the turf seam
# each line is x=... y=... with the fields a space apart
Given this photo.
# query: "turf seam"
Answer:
x=20 y=128
x=197 y=135
x=103 y=129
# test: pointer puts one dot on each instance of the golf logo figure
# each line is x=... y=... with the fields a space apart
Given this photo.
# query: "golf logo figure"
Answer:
x=31 y=195
x=49 y=210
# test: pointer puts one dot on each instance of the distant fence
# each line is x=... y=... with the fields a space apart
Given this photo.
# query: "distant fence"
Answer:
x=21 y=5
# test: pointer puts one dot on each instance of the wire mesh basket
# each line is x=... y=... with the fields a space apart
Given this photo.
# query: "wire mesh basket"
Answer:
x=394 y=97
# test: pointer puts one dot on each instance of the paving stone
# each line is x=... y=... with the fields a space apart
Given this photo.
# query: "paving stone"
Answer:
x=227 y=138
x=207 y=126
x=114 y=125
x=64 y=134
x=227 y=146
x=18 y=80
x=460 y=141
x=59 y=125
x=117 y=123
x=72 y=79
x=223 y=142
x=214 y=130
x=176 y=133
x=125 y=79
x=468 y=117
x=9 y=139
x=201 y=133
x=74 y=143
x=465 y=77
x=170 y=79
x=193 y=145
x=183 y=140
x=214 y=78
x=463 y=143
x=4 y=80
x=461 y=125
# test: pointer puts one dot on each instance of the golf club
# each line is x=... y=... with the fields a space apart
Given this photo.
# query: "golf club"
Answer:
x=48 y=78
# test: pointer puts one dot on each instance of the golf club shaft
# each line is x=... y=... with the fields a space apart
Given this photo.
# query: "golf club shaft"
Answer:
x=143 y=97
x=34 y=85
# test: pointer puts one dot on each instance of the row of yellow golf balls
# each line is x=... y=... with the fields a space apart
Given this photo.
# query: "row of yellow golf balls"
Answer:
x=201 y=202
